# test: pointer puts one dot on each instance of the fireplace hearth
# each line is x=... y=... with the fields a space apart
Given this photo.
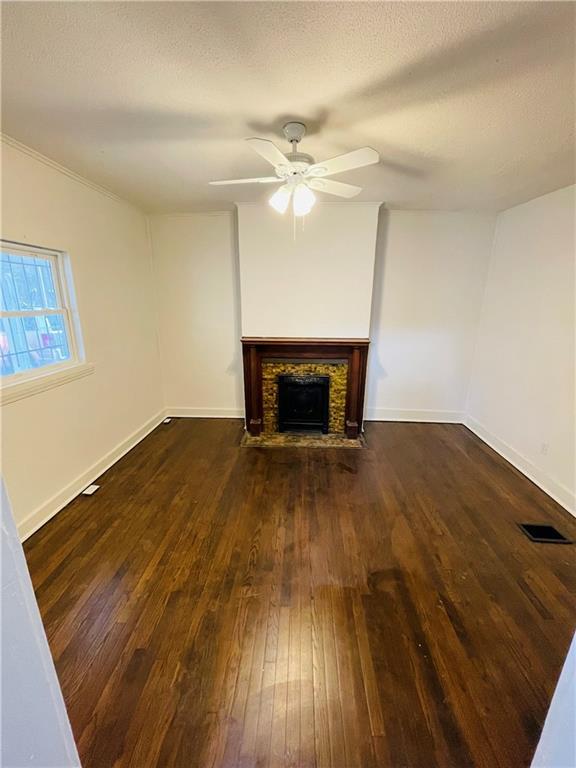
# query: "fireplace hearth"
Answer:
x=303 y=403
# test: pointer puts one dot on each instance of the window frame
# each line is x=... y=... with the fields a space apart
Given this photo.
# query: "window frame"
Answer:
x=13 y=386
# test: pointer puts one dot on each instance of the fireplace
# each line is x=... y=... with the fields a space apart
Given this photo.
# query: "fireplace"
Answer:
x=303 y=403
x=342 y=361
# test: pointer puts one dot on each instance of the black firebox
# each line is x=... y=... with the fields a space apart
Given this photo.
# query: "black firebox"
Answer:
x=303 y=403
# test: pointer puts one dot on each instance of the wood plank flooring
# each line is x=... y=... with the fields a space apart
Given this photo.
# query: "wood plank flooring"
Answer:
x=220 y=606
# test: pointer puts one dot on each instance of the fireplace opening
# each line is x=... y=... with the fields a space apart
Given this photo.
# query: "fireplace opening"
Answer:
x=303 y=403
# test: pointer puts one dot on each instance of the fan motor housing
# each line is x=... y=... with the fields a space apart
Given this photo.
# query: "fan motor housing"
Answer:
x=300 y=158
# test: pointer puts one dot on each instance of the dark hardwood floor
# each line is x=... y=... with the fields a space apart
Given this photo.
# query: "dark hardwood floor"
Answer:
x=219 y=606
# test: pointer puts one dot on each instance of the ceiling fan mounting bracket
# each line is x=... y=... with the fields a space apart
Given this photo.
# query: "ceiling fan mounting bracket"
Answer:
x=294 y=132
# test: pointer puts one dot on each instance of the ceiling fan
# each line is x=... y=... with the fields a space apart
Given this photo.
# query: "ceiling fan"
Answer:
x=300 y=175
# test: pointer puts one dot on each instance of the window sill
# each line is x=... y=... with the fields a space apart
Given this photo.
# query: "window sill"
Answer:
x=9 y=393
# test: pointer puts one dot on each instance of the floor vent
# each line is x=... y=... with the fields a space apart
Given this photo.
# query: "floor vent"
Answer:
x=543 y=534
x=90 y=490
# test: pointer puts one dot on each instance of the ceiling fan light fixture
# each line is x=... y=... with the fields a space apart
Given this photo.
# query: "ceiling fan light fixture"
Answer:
x=281 y=199
x=299 y=174
x=304 y=200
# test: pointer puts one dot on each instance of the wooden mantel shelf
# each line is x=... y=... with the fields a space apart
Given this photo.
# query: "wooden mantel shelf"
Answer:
x=266 y=340
x=354 y=351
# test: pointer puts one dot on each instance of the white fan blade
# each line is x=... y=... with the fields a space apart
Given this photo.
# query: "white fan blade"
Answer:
x=356 y=159
x=268 y=150
x=261 y=180
x=337 y=188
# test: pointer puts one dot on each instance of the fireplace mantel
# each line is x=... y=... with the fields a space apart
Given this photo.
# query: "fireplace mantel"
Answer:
x=257 y=349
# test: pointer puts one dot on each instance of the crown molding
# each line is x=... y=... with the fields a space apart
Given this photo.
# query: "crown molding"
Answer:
x=26 y=150
x=190 y=214
x=322 y=203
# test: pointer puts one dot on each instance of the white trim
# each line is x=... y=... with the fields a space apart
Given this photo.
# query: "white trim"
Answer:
x=414 y=414
x=205 y=413
x=560 y=493
x=556 y=490
x=331 y=203
x=191 y=214
x=33 y=312
x=46 y=511
x=10 y=393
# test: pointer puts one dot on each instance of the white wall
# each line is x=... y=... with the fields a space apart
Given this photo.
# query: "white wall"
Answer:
x=557 y=745
x=522 y=388
x=429 y=279
x=428 y=285
x=55 y=442
x=35 y=730
x=197 y=287
x=316 y=284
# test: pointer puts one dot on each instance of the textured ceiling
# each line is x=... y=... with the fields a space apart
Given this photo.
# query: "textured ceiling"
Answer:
x=471 y=105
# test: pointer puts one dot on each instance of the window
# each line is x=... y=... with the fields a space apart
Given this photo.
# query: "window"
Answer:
x=39 y=332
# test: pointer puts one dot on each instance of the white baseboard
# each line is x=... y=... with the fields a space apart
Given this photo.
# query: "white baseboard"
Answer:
x=47 y=510
x=414 y=414
x=556 y=490
x=42 y=514
x=205 y=413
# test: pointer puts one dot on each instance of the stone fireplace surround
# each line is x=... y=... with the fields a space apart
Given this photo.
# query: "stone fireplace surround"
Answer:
x=337 y=372
x=343 y=359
